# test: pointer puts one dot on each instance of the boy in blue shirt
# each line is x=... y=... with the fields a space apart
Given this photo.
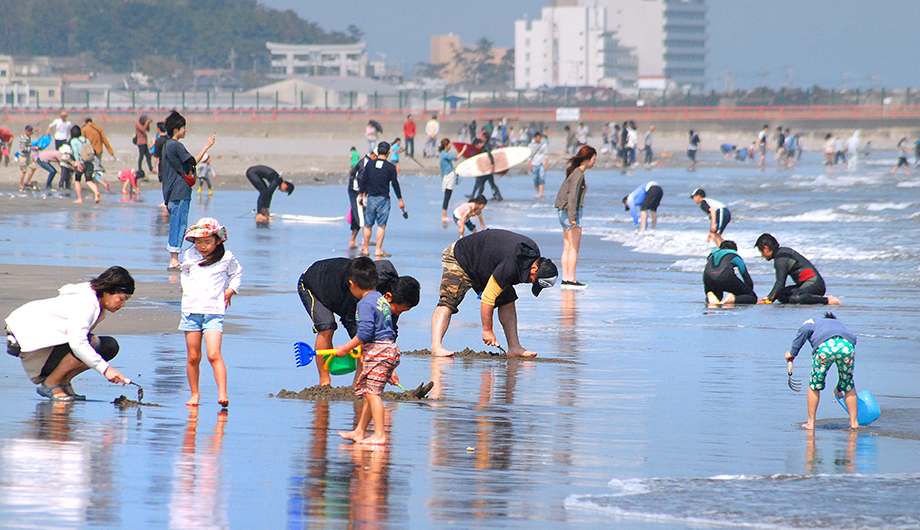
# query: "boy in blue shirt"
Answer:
x=380 y=355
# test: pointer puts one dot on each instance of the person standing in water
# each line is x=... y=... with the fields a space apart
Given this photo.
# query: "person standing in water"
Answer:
x=570 y=201
x=693 y=148
x=266 y=180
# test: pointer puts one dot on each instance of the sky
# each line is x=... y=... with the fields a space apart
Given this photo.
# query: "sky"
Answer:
x=822 y=42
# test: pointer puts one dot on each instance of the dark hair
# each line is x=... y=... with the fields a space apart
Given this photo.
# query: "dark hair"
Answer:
x=434 y=116
x=289 y=185
x=362 y=272
x=728 y=244
x=88 y=120
x=583 y=155
x=161 y=126
x=174 y=122
x=396 y=141
x=477 y=141
x=215 y=256
x=353 y=148
x=404 y=290
x=830 y=315
x=480 y=199
x=75 y=132
x=444 y=145
x=828 y=136
x=140 y=174
x=537 y=133
x=691 y=132
x=115 y=280
x=768 y=241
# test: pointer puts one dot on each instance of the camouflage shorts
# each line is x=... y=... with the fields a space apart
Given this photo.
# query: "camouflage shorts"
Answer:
x=834 y=350
x=454 y=282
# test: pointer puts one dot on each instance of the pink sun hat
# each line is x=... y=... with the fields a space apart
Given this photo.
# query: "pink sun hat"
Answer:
x=206 y=226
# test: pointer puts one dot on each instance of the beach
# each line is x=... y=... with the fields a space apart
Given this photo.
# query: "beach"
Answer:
x=663 y=413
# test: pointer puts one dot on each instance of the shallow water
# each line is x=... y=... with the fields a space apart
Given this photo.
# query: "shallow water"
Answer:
x=671 y=415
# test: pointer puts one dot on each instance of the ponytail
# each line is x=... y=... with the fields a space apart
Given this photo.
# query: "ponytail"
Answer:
x=583 y=155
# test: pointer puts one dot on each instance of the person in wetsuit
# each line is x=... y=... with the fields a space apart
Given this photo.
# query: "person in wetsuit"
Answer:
x=480 y=185
x=809 y=285
x=266 y=180
x=720 y=283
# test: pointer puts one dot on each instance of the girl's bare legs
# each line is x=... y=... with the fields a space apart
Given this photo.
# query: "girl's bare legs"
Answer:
x=92 y=185
x=357 y=434
x=76 y=185
x=213 y=339
x=193 y=346
x=571 y=243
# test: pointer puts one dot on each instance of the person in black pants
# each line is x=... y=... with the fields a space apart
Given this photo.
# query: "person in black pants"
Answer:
x=266 y=180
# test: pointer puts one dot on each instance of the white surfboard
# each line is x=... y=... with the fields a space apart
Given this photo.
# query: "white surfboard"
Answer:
x=311 y=218
x=505 y=158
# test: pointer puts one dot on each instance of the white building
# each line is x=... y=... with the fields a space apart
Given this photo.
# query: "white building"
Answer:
x=570 y=47
x=669 y=36
x=341 y=60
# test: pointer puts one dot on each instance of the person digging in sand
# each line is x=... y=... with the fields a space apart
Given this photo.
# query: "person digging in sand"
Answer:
x=832 y=343
x=491 y=263
x=379 y=353
x=325 y=293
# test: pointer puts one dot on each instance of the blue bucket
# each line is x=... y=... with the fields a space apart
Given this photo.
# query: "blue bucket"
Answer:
x=867 y=409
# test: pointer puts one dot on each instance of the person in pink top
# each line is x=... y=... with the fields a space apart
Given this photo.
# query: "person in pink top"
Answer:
x=6 y=143
x=44 y=160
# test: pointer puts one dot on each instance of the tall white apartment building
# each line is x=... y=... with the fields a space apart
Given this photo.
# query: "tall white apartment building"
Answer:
x=669 y=36
x=570 y=47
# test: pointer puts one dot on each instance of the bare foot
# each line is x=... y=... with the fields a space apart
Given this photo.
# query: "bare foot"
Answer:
x=354 y=436
x=444 y=220
x=729 y=299
x=325 y=381
x=711 y=298
x=521 y=352
x=78 y=201
x=193 y=402
x=373 y=440
x=441 y=351
x=809 y=426
x=833 y=300
x=352 y=244
x=223 y=400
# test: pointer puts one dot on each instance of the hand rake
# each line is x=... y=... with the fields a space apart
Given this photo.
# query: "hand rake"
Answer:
x=794 y=384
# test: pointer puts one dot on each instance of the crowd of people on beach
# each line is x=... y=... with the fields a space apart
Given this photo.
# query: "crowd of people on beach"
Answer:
x=53 y=338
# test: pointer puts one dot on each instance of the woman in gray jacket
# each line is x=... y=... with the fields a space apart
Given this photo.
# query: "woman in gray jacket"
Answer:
x=569 y=205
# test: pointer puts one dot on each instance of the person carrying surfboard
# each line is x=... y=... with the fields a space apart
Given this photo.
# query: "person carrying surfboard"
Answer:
x=832 y=344
x=480 y=186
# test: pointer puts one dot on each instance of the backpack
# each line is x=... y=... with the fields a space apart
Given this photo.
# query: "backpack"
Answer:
x=87 y=152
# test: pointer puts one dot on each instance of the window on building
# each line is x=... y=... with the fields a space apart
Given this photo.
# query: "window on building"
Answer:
x=526 y=56
x=526 y=42
x=51 y=93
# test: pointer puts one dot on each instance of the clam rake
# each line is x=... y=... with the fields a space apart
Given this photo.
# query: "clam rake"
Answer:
x=794 y=384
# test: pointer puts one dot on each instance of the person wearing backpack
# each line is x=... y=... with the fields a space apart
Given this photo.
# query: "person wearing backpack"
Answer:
x=83 y=155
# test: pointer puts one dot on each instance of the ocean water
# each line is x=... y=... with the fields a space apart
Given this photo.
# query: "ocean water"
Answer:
x=667 y=414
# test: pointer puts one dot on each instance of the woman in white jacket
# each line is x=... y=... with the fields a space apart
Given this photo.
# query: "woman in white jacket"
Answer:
x=52 y=337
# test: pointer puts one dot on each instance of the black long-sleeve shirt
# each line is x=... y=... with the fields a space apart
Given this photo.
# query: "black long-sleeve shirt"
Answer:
x=377 y=178
x=789 y=263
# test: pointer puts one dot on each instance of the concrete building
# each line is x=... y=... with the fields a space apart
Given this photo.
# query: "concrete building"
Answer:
x=444 y=50
x=332 y=92
x=26 y=82
x=570 y=46
x=669 y=36
x=338 y=60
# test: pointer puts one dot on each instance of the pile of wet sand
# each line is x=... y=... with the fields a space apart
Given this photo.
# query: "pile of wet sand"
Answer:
x=123 y=403
x=468 y=353
x=347 y=393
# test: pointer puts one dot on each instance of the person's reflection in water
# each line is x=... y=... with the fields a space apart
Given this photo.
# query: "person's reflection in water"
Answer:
x=197 y=499
x=853 y=455
x=369 y=487
x=438 y=365
x=46 y=453
x=568 y=323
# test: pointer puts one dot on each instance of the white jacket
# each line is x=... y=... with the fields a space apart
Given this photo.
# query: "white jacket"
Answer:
x=203 y=287
x=65 y=319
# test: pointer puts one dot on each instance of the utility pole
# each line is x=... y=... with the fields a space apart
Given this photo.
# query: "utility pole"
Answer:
x=763 y=78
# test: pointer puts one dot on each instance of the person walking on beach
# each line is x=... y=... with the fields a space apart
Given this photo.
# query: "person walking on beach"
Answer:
x=379 y=352
x=538 y=161
x=97 y=138
x=177 y=168
x=832 y=344
x=266 y=180
x=325 y=294
x=718 y=213
x=720 y=283
x=464 y=214
x=158 y=143
x=648 y=145
x=395 y=150
x=432 y=128
x=828 y=150
x=491 y=263
x=27 y=164
x=632 y=142
x=141 y=128
x=642 y=200
x=479 y=186
x=762 y=139
x=370 y=134
x=374 y=185
x=210 y=277
x=60 y=130
x=693 y=148
x=356 y=211
x=570 y=202
x=780 y=155
x=809 y=285
x=204 y=172
x=53 y=337
x=448 y=177
x=409 y=135
x=83 y=154
x=903 y=151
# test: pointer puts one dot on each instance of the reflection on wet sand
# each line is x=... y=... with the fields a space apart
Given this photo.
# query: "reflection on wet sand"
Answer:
x=197 y=499
x=858 y=455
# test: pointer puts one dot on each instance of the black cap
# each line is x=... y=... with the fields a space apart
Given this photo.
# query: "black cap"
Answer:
x=698 y=191
x=546 y=275
x=626 y=202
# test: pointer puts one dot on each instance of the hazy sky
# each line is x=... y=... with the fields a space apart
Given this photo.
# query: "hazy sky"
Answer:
x=821 y=40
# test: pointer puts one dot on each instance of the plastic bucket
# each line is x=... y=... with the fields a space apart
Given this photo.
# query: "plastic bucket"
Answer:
x=867 y=409
x=341 y=365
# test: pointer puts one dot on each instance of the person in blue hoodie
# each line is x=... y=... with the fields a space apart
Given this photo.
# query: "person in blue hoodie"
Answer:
x=721 y=284
x=832 y=344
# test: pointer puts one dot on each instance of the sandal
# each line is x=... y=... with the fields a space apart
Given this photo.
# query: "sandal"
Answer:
x=382 y=255
x=68 y=389
x=48 y=392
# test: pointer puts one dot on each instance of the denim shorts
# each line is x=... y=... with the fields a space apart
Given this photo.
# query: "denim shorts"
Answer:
x=201 y=322
x=564 y=219
x=538 y=175
x=377 y=210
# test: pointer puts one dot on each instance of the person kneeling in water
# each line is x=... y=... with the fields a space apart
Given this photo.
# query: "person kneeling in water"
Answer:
x=720 y=283
x=809 y=285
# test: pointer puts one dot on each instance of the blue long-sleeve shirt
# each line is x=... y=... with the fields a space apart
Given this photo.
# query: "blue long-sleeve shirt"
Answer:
x=818 y=332
x=634 y=201
x=375 y=322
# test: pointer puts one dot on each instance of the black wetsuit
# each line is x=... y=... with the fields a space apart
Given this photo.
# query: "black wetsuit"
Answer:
x=480 y=185
x=809 y=285
x=266 y=180
x=719 y=277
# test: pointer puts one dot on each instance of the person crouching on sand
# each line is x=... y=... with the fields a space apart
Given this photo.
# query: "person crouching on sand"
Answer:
x=380 y=355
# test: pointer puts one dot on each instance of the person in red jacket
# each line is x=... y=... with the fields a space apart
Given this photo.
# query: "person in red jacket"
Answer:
x=409 y=135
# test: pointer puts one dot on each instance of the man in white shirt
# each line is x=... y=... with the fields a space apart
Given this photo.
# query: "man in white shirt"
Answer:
x=60 y=128
x=537 y=162
x=432 y=128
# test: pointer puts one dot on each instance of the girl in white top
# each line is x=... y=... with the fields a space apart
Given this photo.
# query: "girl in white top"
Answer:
x=210 y=276
x=464 y=213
